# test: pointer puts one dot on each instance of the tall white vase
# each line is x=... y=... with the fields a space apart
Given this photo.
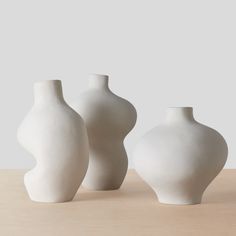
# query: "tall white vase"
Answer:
x=56 y=136
x=108 y=119
x=180 y=157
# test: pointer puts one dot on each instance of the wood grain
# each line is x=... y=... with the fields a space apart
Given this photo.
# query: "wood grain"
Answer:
x=132 y=210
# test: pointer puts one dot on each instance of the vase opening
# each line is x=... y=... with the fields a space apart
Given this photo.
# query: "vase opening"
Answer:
x=97 y=81
x=47 y=91
x=178 y=114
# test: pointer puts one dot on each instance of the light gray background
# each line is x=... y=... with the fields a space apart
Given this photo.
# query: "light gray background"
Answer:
x=158 y=54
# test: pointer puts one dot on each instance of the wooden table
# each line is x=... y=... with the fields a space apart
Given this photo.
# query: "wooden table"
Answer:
x=132 y=210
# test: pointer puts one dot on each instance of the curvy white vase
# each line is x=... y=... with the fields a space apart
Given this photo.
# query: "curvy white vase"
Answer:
x=56 y=136
x=180 y=157
x=108 y=119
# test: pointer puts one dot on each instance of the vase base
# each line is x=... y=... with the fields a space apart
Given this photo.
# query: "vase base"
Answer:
x=50 y=200
x=183 y=199
x=179 y=202
x=101 y=188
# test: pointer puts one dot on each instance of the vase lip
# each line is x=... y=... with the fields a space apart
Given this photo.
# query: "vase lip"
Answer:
x=179 y=114
x=99 y=82
x=49 y=81
x=186 y=107
x=98 y=76
x=48 y=91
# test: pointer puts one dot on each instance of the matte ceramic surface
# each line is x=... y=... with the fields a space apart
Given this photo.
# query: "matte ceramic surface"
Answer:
x=108 y=119
x=56 y=136
x=180 y=157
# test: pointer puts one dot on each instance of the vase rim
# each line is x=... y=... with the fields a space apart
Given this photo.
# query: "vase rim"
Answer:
x=47 y=81
x=98 y=75
x=176 y=114
x=181 y=108
x=98 y=81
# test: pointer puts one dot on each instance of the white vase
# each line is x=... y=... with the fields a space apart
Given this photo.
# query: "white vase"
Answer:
x=108 y=119
x=56 y=136
x=180 y=157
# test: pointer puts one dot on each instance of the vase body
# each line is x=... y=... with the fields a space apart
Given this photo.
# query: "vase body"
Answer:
x=56 y=136
x=108 y=119
x=180 y=157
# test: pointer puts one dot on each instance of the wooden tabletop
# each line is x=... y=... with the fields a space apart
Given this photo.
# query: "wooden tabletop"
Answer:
x=132 y=210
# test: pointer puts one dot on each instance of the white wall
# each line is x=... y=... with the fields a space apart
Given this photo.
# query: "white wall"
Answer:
x=158 y=54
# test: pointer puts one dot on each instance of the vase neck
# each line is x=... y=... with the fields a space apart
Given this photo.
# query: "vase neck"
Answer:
x=48 y=91
x=98 y=81
x=179 y=114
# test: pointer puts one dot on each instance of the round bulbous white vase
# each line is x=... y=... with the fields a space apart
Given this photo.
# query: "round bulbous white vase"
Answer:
x=180 y=157
x=56 y=136
x=108 y=119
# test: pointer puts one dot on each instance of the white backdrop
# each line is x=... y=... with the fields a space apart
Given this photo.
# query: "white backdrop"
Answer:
x=158 y=54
